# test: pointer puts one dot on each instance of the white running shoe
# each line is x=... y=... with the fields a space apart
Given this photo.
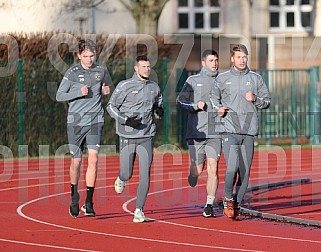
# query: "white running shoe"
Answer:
x=119 y=185
x=139 y=216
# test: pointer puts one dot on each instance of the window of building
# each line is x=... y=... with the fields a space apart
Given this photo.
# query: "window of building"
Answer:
x=291 y=15
x=199 y=16
x=182 y=2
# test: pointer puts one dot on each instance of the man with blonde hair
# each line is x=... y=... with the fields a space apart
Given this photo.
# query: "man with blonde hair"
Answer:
x=236 y=97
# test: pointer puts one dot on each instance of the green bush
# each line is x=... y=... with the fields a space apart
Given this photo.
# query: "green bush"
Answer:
x=44 y=118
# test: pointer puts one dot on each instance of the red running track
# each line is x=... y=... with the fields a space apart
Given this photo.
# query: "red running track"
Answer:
x=35 y=201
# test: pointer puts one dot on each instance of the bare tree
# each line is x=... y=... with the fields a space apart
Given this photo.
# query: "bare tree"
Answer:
x=78 y=5
x=86 y=4
x=146 y=14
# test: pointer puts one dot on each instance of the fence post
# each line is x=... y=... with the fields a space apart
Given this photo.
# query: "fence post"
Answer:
x=294 y=108
x=266 y=76
x=20 y=104
x=314 y=106
x=166 y=108
x=181 y=114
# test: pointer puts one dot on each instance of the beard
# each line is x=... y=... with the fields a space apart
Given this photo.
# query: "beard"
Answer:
x=142 y=77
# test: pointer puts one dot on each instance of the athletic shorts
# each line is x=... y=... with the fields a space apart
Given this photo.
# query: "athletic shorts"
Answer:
x=200 y=149
x=79 y=135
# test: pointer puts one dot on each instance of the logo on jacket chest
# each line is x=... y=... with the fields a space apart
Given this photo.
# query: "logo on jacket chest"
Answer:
x=97 y=76
x=81 y=77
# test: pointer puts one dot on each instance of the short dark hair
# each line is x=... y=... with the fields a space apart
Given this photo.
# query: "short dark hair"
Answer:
x=141 y=58
x=86 y=44
x=238 y=48
x=209 y=52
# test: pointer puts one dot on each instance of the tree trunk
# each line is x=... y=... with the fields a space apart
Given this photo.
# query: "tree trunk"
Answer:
x=146 y=14
x=146 y=24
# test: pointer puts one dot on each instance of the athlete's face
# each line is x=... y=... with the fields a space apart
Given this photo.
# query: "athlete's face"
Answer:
x=211 y=62
x=239 y=60
x=87 y=58
x=142 y=69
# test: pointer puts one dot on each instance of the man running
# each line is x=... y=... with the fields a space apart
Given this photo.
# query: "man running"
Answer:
x=133 y=105
x=82 y=87
x=204 y=145
x=238 y=94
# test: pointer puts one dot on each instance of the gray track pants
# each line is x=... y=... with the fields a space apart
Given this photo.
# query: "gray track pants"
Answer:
x=129 y=148
x=238 y=152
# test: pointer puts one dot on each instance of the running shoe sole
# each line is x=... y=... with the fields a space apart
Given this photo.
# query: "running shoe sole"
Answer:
x=119 y=186
x=73 y=212
x=208 y=212
x=83 y=208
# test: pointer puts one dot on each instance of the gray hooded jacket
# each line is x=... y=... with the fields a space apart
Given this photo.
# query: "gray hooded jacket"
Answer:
x=198 y=88
x=241 y=117
x=83 y=110
x=135 y=97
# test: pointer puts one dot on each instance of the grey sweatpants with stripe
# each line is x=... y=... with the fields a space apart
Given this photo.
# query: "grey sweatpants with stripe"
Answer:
x=238 y=152
x=129 y=149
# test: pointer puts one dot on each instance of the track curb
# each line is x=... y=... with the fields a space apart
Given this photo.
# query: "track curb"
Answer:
x=278 y=217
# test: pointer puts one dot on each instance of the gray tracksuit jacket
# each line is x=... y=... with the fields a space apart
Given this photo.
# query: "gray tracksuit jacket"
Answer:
x=198 y=88
x=242 y=117
x=135 y=97
x=83 y=110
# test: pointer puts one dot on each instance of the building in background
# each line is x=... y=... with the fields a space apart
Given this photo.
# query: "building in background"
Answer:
x=279 y=33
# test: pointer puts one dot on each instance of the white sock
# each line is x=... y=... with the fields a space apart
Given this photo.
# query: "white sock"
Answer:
x=210 y=200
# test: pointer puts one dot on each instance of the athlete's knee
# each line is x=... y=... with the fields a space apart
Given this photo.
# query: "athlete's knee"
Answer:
x=212 y=175
x=75 y=163
x=212 y=166
x=92 y=157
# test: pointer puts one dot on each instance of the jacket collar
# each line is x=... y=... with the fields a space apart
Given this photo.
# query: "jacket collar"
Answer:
x=237 y=72
x=209 y=72
x=92 y=66
x=135 y=77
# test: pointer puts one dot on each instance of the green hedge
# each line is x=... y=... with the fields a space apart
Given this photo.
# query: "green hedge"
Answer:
x=45 y=118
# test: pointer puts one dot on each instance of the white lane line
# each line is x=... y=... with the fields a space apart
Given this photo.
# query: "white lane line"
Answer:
x=213 y=229
x=19 y=211
x=136 y=176
x=46 y=245
x=166 y=222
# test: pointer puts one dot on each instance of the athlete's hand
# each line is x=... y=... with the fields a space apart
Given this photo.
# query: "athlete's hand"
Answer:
x=106 y=89
x=201 y=105
x=222 y=111
x=133 y=121
x=249 y=96
x=84 y=90
x=159 y=111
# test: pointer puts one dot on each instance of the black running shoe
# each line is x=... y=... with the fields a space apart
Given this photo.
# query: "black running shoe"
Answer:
x=192 y=181
x=88 y=209
x=74 y=209
x=208 y=211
